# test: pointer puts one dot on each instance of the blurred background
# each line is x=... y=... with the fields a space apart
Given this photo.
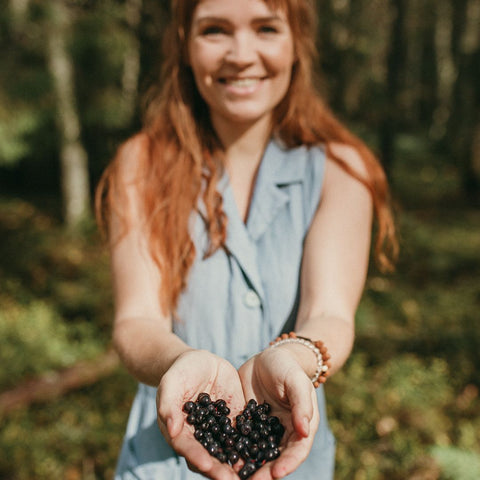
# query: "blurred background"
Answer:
x=403 y=74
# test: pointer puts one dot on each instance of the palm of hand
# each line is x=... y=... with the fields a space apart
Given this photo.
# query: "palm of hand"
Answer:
x=275 y=377
x=193 y=373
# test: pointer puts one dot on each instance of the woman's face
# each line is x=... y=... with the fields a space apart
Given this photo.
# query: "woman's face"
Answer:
x=241 y=53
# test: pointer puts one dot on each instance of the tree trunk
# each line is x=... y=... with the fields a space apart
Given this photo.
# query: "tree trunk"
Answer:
x=395 y=66
x=465 y=116
x=18 y=11
x=73 y=157
x=428 y=64
x=131 y=63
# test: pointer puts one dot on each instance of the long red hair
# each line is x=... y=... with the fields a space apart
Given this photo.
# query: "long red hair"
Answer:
x=182 y=160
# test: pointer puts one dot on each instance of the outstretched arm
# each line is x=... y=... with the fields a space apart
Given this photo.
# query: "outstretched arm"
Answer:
x=143 y=336
x=334 y=269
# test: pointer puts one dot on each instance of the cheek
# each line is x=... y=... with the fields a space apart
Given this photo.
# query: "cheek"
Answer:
x=281 y=59
x=204 y=61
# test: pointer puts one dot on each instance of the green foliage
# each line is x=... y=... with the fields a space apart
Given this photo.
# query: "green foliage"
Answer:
x=34 y=339
x=457 y=464
x=77 y=436
x=14 y=128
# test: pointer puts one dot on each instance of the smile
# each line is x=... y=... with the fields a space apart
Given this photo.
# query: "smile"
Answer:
x=241 y=82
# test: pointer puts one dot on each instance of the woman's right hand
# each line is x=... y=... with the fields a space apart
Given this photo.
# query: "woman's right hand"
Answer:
x=194 y=372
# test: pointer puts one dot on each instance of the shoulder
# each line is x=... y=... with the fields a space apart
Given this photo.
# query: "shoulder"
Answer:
x=133 y=149
x=349 y=156
x=130 y=157
x=344 y=167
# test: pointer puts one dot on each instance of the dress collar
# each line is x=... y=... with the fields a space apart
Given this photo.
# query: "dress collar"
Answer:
x=279 y=167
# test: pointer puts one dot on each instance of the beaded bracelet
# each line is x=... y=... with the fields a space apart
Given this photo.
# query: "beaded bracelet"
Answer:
x=317 y=347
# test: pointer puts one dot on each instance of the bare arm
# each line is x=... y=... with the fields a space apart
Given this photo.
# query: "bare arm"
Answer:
x=333 y=274
x=142 y=333
x=335 y=261
x=143 y=336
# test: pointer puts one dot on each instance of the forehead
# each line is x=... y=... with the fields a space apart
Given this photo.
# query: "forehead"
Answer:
x=226 y=6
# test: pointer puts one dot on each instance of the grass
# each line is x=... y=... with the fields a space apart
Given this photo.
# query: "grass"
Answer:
x=406 y=405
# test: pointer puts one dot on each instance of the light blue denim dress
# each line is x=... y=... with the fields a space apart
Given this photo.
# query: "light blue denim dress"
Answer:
x=239 y=299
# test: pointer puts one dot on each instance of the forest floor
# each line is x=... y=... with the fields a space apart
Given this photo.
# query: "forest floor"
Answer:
x=406 y=405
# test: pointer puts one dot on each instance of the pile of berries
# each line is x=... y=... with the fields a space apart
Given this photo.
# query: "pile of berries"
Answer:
x=254 y=438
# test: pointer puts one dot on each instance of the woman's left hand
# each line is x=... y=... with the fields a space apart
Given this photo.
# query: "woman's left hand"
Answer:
x=276 y=377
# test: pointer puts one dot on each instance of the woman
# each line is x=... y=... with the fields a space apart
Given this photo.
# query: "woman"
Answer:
x=242 y=210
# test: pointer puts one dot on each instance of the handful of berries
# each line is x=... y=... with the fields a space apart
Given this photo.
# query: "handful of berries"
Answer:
x=254 y=438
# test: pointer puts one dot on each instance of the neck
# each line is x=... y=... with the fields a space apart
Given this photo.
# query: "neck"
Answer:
x=244 y=142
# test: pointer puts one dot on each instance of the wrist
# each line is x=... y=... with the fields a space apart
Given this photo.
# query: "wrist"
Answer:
x=317 y=348
x=302 y=356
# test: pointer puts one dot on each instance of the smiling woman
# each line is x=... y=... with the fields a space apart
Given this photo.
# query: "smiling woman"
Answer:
x=241 y=60
x=241 y=211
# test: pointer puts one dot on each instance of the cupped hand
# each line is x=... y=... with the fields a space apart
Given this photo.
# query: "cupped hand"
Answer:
x=194 y=372
x=276 y=377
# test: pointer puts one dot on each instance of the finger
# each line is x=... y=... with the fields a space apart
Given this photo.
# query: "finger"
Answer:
x=299 y=393
x=200 y=461
x=291 y=458
x=170 y=414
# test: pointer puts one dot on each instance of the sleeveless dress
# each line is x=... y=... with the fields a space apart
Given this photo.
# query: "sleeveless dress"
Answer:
x=239 y=299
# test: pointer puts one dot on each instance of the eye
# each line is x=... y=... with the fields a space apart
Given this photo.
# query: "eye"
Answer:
x=213 y=30
x=267 y=29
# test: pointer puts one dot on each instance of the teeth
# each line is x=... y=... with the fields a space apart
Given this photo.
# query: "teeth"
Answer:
x=242 y=82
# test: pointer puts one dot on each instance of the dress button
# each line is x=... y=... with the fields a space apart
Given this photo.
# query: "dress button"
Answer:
x=251 y=299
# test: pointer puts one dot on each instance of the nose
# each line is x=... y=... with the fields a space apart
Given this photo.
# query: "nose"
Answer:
x=242 y=50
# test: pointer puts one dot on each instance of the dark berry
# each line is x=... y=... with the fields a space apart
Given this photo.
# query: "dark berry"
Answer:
x=211 y=420
x=229 y=442
x=212 y=449
x=240 y=419
x=272 y=454
x=253 y=450
x=240 y=445
x=264 y=431
x=191 y=419
x=233 y=457
x=224 y=420
x=228 y=429
x=245 y=429
x=271 y=439
x=189 y=407
x=278 y=430
x=272 y=421
x=261 y=417
x=267 y=407
x=262 y=444
x=222 y=457
x=203 y=399
x=247 y=470
x=271 y=445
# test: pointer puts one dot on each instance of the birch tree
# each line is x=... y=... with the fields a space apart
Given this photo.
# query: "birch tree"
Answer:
x=73 y=157
x=131 y=64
